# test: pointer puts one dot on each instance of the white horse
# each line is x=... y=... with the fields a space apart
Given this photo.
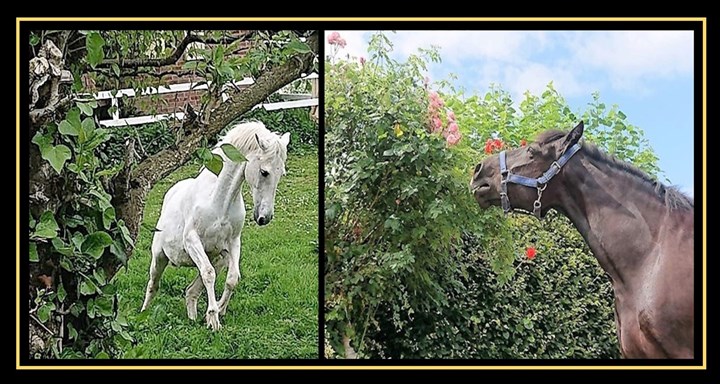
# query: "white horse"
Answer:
x=201 y=218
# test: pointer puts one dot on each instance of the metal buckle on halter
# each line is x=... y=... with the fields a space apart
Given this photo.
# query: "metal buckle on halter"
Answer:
x=556 y=165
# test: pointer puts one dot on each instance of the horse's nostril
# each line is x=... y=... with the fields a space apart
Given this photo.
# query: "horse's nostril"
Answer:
x=261 y=220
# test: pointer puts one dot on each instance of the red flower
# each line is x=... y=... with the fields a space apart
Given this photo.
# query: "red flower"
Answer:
x=488 y=147
x=523 y=142
x=497 y=143
x=530 y=252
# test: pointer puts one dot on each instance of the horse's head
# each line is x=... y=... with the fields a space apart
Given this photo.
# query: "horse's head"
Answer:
x=263 y=171
x=531 y=161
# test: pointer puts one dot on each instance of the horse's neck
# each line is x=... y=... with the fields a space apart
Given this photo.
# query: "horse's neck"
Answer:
x=617 y=220
x=228 y=185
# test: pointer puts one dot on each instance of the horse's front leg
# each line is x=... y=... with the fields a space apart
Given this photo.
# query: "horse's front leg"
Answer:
x=233 y=275
x=196 y=251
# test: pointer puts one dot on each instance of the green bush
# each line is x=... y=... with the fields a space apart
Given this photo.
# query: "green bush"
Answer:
x=149 y=139
x=303 y=129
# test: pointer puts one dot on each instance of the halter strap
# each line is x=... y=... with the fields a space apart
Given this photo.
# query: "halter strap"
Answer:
x=540 y=183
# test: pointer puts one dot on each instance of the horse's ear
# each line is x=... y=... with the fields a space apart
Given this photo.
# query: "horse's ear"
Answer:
x=285 y=139
x=574 y=136
x=261 y=142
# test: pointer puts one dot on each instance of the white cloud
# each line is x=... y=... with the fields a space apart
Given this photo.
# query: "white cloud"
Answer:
x=577 y=62
x=631 y=57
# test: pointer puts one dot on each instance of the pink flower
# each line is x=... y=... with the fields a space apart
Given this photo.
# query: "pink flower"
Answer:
x=451 y=115
x=452 y=127
x=437 y=124
x=335 y=39
x=453 y=138
x=362 y=60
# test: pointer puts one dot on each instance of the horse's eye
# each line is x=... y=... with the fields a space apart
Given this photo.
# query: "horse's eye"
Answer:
x=264 y=173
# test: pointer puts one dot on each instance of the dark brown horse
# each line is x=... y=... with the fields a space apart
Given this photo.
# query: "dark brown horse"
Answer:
x=640 y=231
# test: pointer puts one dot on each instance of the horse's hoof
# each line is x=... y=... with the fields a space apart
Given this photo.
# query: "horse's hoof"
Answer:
x=213 y=322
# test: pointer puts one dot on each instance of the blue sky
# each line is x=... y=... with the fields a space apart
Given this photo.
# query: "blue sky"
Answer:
x=649 y=74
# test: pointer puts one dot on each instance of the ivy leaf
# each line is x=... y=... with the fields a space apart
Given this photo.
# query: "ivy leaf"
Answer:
x=85 y=109
x=87 y=288
x=72 y=333
x=125 y=232
x=108 y=217
x=94 y=44
x=215 y=164
x=95 y=244
x=33 y=253
x=61 y=293
x=47 y=226
x=103 y=306
x=56 y=156
x=68 y=129
x=116 y=69
x=88 y=125
x=232 y=153
x=117 y=250
x=298 y=47
x=61 y=248
x=34 y=39
x=99 y=276
x=43 y=313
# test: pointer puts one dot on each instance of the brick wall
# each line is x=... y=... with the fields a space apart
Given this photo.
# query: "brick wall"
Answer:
x=175 y=102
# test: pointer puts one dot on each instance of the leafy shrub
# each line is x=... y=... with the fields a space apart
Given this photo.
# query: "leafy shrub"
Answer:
x=303 y=129
x=149 y=139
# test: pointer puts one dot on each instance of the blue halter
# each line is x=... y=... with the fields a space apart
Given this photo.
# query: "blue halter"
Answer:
x=540 y=183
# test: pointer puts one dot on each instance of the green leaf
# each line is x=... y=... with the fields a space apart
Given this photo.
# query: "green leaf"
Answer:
x=77 y=240
x=215 y=164
x=42 y=141
x=218 y=54
x=68 y=129
x=61 y=247
x=95 y=244
x=85 y=109
x=34 y=39
x=94 y=44
x=33 y=253
x=125 y=232
x=61 y=293
x=103 y=306
x=43 y=313
x=204 y=154
x=91 y=307
x=72 y=333
x=117 y=250
x=99 y=276
x=108 y=217
x=232 y=153
x=621 y=115
x=32 y=221
x=299 y=47
x=116 y=69
x=56 y=156
x=87 y=288
x=47 y=226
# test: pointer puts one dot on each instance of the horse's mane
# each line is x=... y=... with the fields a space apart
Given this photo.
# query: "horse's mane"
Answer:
x=671 y=195
x=242 y=136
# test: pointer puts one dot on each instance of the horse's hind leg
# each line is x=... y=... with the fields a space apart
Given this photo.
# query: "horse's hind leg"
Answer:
x=192 y=293
x=157 y=267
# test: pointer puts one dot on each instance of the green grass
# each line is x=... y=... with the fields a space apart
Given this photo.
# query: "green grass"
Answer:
x=274 y=311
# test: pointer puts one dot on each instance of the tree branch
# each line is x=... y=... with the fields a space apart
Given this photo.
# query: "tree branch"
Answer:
x=176 y=55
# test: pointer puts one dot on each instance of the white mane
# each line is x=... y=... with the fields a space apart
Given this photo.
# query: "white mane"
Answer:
x=243 y=134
